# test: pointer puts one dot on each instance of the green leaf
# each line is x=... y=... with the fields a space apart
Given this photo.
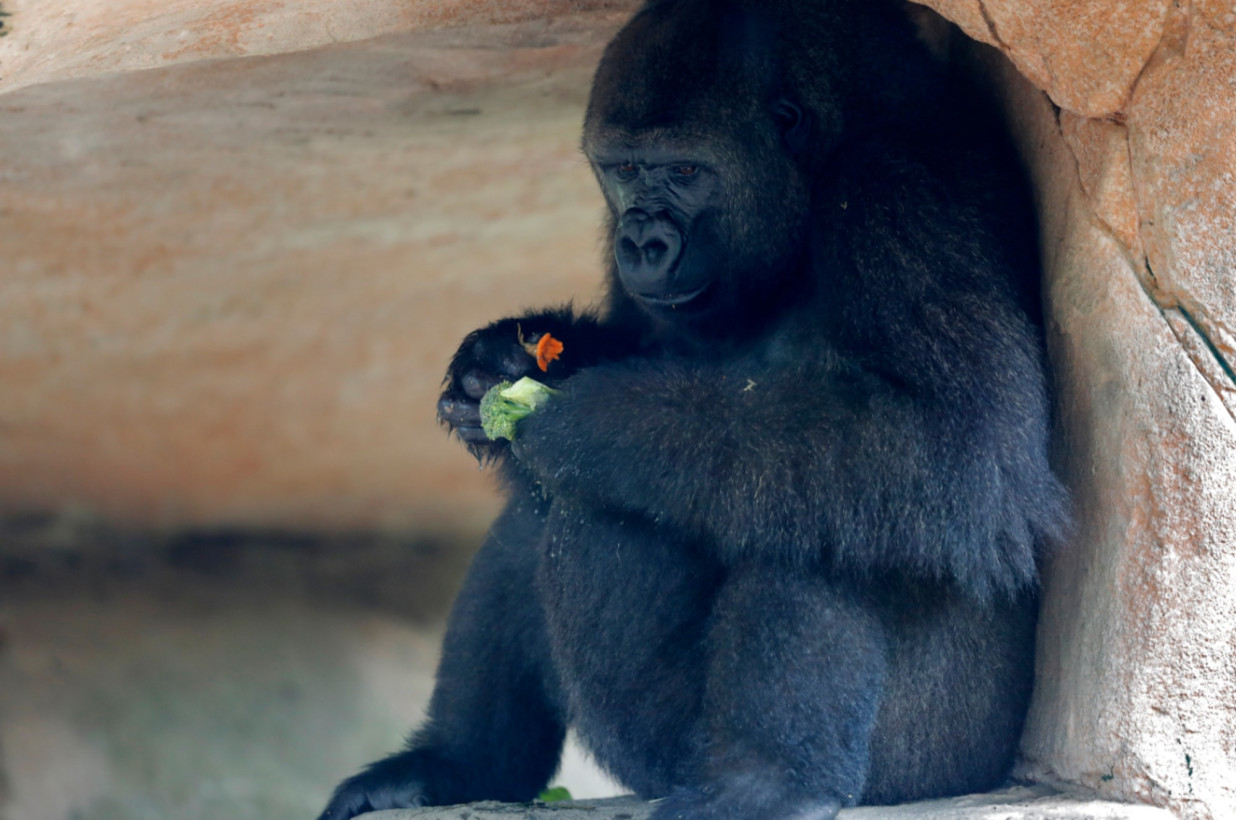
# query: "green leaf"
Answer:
x=554 y=795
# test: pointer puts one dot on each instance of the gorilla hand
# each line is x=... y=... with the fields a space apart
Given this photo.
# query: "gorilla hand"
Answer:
x=487 y=356
x=387 y=784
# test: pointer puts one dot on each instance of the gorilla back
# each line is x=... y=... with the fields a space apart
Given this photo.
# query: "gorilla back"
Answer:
x=772 y=549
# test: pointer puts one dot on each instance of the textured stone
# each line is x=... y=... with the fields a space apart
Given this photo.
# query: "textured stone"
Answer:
x=81 y=38
x=1086 y=54
x=1135 y=693
x=1182 y=144
x=229 y=289
x=1018 y=803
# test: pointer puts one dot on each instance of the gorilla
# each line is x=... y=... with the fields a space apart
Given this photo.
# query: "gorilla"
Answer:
x=773 y=548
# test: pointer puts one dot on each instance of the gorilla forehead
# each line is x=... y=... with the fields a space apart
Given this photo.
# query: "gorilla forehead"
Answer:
x=606 y=142
x=659 y=72
x=694 y=64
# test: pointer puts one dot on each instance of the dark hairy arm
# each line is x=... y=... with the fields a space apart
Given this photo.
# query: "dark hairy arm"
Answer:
x=799 y=465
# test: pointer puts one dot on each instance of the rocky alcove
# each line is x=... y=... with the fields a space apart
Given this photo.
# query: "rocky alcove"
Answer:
x=238 y=242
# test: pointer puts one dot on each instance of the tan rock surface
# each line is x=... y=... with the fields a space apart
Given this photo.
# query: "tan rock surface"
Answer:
x=228 y=290
x=1015 y=803
x=1135 y=692
x=1137 y=695
x=81 y=38
x=1086 y=54
x=1182 y=144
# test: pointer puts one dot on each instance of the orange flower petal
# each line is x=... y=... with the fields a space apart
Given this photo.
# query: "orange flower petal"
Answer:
x=547 y=349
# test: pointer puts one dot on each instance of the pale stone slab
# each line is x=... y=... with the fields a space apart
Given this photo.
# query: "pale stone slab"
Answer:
x=86 y=38
x=1021 y=803
x=229 y=289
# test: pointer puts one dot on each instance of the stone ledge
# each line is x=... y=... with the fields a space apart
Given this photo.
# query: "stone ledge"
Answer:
x=1016 y=803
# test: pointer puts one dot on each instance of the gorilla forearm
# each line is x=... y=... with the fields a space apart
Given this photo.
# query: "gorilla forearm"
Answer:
x=846 y=469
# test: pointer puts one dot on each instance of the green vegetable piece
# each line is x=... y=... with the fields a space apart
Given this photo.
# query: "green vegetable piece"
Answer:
x=554 y=795
x=505 y=404
x=530 y=392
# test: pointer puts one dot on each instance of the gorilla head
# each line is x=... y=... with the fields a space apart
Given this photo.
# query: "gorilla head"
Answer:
x=710 y=127
x=707 y=127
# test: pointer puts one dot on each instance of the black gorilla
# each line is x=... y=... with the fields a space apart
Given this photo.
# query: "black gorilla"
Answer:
x=773 y=549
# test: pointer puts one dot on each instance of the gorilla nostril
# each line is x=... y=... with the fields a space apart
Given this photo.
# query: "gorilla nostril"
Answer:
x=628 y=252
x=646 y=248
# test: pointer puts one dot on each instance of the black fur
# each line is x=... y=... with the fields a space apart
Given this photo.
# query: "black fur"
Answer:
x=773 y=550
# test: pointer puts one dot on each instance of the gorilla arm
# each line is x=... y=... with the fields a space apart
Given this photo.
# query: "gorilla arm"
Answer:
x=922 y=460
x=792 y=463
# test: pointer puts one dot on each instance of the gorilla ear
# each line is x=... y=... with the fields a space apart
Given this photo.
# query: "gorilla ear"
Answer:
x=794 y=123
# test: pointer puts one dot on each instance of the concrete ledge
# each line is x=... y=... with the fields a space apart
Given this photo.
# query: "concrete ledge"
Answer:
x=1017 y=803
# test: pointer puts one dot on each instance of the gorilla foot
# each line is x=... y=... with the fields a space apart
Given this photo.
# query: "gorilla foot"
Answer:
x=381 y=786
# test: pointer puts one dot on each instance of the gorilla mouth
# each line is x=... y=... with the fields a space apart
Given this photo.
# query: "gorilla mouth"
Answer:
x=672 y=299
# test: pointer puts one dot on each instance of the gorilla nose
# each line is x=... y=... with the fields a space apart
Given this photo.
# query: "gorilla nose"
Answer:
x=646 y=249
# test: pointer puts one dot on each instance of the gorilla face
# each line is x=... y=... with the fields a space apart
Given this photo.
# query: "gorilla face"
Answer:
x=702 y=150
x=661 y=201
x=700 y=225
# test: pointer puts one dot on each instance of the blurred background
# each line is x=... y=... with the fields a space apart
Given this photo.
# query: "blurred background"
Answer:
x=238 y=244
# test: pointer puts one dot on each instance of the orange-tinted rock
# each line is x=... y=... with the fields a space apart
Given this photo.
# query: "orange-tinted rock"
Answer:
x=1101 y=151
x=82 y=38
x=1086 y=54
x=1136 y=696
x=229 y=290
x=1182 y=126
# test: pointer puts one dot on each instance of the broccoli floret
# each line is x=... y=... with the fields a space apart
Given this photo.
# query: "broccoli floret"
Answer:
x=505 y=404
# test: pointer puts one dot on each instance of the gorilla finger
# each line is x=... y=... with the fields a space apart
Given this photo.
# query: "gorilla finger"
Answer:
x=458 y=412
x=516 y=363
x=403 y=796
x=476 y=383
x=504 y=355
x=345 y=805
x=472 y=435
x=367 y=793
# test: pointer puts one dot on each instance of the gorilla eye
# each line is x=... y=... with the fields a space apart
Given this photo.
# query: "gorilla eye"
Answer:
x=627 y=170
x=686 y=170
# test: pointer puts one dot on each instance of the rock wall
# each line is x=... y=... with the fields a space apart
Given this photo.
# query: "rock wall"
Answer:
x=1133 y=160
x=229 y=288
x=84 y=38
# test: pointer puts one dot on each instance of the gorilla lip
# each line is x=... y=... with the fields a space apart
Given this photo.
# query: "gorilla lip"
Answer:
x=673 y=299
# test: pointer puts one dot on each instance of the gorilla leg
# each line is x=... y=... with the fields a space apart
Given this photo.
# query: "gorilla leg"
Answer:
x=628 y=610
x=495 y=726
x=796 y=669
x=960 y=678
